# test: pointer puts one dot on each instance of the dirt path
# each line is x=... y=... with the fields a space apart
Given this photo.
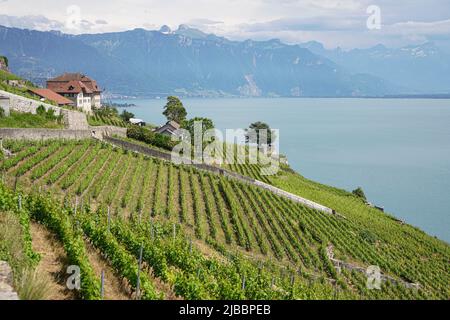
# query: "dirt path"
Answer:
x=53 y=263
x=114 y=288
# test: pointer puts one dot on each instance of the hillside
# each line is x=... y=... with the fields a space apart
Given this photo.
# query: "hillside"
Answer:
x=421 y=68
x=185 y=62
x=207 y=236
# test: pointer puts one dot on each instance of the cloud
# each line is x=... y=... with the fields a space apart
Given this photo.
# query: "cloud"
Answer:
x=38 y=22
x=207 y=22
x=42 y=23
x=333 y=22
x=101 y=21
x=304 y=24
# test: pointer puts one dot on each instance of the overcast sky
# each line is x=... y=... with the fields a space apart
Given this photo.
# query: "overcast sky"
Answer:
x=332 y=22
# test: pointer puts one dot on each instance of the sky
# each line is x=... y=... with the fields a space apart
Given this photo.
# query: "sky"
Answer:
x=335 y=23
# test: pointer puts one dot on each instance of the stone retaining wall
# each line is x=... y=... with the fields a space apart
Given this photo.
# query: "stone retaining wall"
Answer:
x=101 y=131
x=46 y=134
x=73 y=120
x=7 y=291
x=138 y=148
x=22 y=104
x=43 y=134
x=294 y=197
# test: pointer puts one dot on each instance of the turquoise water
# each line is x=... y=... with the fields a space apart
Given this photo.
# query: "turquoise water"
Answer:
x=397 y=150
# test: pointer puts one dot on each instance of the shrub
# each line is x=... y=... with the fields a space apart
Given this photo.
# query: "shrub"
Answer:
x=5 y=59
x=2 y=112
x=368 y=236
x=41 y=110
x=150 y=137
x=126 y=116
x=50 y=114
x=34 y=286
x=359 y=193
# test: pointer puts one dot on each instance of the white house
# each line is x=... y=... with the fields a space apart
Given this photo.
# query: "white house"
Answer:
x=137 y=122
x=82 y=90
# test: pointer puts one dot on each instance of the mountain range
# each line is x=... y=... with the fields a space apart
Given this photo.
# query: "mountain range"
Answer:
x=188 y=62
x=417 y=68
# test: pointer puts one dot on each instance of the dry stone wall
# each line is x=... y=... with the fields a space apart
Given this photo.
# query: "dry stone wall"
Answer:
x=43 y=134
x=7 y=291
x=22 y=104
x=73 y=120
x=68 y=134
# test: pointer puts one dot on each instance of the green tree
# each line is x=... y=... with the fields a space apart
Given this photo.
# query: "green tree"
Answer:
x=5 y=59
x=258 y=126
x=174 y=110
x=126 y=116
x=368 y=236
x=359 y=192
x=190 y=125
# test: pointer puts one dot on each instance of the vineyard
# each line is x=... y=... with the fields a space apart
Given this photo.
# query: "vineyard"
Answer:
x=99 y=120
x=206 y=236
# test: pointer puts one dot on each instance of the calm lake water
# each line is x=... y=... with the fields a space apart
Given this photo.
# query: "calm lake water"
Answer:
x=397 y=150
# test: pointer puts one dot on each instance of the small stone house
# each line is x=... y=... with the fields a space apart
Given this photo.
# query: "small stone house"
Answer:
x=168 y=129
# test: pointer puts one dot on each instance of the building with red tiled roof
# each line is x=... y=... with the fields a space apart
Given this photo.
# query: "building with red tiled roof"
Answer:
x=82 y=90
x=51 y=96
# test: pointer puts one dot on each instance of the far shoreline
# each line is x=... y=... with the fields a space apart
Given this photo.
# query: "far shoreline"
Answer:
x=395 y=97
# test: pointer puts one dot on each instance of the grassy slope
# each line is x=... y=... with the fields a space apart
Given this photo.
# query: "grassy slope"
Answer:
x=257 y=224
x=28 y=120
x=16 y=249
x=8 y=76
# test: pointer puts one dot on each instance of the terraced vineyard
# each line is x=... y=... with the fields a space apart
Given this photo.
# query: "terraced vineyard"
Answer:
x=207 y=236
x=99 y=120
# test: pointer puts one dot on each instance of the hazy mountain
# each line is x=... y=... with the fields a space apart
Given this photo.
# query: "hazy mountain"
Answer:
x=185 y=62
x=422 y=69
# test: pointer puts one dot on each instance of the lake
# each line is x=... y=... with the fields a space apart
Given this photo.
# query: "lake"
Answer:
x=397 y=150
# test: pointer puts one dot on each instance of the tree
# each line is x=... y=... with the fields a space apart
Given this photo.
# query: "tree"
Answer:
x=258 y=126
x=126 y=116
x=174 y=110
x=5 y=59
x=206 y=125
x=359 y=192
